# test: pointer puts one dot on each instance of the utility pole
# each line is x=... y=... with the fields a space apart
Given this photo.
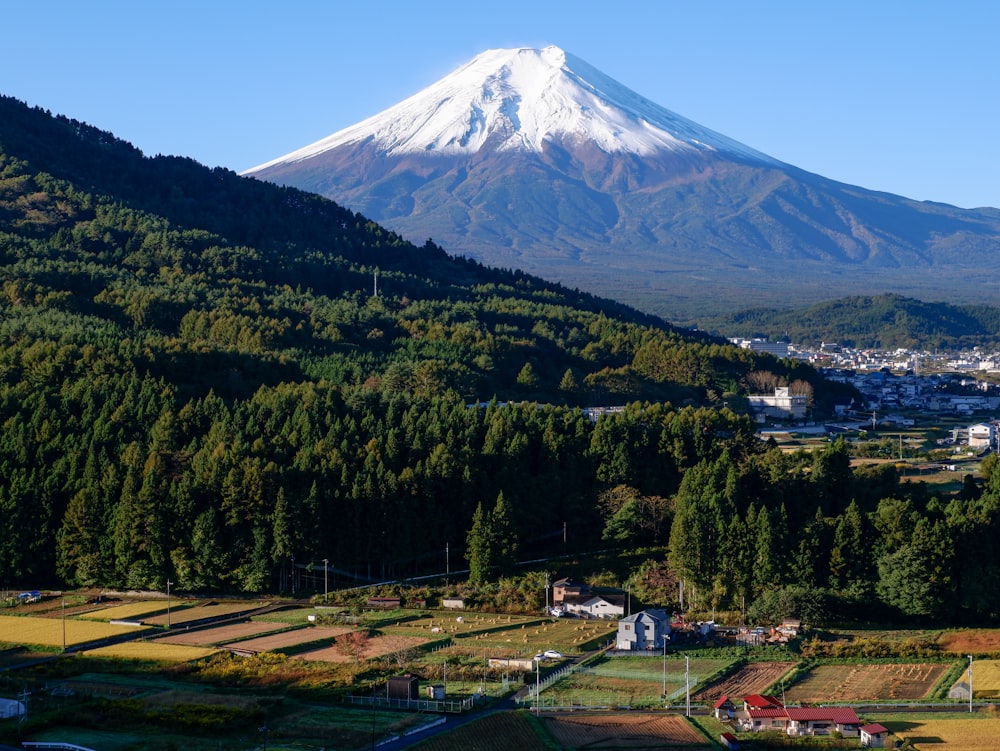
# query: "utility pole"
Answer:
x=326 y=570
x=64 y=620
x=970 y=684
x=687 y=685
x=168 y=602
x=664 y=695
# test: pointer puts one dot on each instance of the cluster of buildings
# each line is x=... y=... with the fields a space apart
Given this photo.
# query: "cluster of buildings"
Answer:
x=758 y=713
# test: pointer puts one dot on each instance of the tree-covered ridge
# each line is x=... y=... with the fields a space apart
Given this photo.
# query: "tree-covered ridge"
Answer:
x=882 y=321
x=198 y=380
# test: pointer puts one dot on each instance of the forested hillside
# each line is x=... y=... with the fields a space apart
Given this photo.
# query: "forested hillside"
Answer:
x=877 y=321
x=198 y=382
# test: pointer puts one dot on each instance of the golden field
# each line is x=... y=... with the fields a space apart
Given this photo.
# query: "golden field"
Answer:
x=48 y=632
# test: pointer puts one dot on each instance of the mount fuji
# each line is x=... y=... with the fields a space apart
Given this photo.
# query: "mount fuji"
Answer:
x=533 y=159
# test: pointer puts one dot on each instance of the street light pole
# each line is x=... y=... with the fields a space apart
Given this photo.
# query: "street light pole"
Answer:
x=664 y=695
x=168 y=602
x=64 y=621
x=326 y=569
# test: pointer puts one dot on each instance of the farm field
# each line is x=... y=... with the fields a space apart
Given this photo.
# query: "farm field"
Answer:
x=221 y=634
x=985 y=679
x=867 y=682
x=48 y=632
x=927 y=732
x=500 y=731
x=292 y=638
x=129 y=611
x=629 y=681
x=374 y=647
x=971 y=641
x=151 y=650
x=633 y=731
x=752 y=678
x=198 y=612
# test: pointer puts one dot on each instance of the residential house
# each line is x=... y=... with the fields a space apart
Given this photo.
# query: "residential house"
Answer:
x=563 y=588
x=724 y=709
x=762 y=713
x=646 y=630
x=782 y=404
x=873 y=735
x=595 y=606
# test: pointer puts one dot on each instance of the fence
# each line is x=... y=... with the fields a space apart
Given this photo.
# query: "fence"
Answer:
x=418 y=705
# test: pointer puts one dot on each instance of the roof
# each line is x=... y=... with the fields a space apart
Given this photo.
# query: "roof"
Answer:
x=761 y=701
x=873 y=729
x=768 y=714
x=647 y=615
x=723 y=701
x=839 y=715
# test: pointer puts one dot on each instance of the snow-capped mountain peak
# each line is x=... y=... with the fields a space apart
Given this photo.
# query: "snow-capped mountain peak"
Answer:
x=516 y=100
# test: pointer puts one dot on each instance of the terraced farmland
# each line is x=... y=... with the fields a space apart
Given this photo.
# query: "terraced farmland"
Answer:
x=867 y=682
x=631 y=731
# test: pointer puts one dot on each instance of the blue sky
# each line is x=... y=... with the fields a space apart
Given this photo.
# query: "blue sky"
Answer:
x=891 y=95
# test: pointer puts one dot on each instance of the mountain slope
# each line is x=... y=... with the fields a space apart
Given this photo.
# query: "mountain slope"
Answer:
x=532 y=159
x=884 y=321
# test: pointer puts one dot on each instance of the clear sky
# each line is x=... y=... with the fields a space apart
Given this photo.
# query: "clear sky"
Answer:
x=894 y=95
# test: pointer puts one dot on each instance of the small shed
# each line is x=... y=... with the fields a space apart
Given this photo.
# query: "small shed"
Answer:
x=386 y=603
x=454 y=603
x=435 y=692
x=11 y=708
x=729 y=740
x=724 y=709
x=874 y=735
x=403 y=687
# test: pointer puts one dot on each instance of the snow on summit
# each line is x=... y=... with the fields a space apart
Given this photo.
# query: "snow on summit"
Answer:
x=516 y=99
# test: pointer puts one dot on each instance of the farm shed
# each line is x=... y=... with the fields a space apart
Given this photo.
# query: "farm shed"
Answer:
x=729 y=740
x=454 y=603
x=11 y=708
x=874 y=735
x=724 y=709
x=403 y=687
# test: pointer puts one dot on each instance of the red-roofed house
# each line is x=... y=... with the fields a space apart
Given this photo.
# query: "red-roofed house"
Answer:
x=822 y=720
x=873 y=735
x=724 y=709
x=767 y=713
x=761 y=701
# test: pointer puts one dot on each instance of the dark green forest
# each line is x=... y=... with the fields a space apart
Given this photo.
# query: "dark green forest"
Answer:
x=879 y=321
x=199 y=382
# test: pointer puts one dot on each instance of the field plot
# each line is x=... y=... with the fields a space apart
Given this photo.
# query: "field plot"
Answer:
x=569 y=636
x=971 y=641
x=463 y=624
x=230 y=632
x=633 y=731
x=129 y=611
x=752 y=678
x=975 y=732
x=500 y=731
x=292 y=638
x=374 y=647
x=198 y=612
x=48 y=632
x=885 y=681
x=152 y=651
x=629 y=681
x=985 y=679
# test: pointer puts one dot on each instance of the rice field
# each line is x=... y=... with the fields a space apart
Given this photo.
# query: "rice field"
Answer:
x=969 y=732
x=631 y=681
x=52 y=632
x=985 y=679
x=867 y=682
x=152 y=651
x=226 y=633
x=198 y=612
x=128 y=611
